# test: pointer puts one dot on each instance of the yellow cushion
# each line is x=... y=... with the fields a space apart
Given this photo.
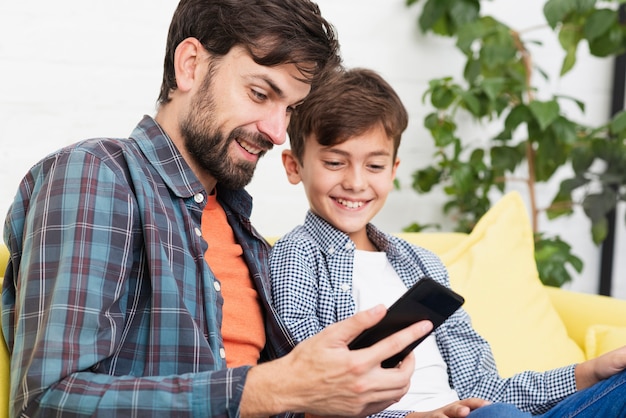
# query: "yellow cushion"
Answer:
x=437 y=242
x=494 y=269
x=601 y=339
x=4 y=259
x=4 y=352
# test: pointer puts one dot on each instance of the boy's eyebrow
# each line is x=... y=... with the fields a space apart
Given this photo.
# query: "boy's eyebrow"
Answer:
x=332 y=149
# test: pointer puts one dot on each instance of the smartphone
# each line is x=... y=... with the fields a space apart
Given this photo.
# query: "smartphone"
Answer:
x=426 y=299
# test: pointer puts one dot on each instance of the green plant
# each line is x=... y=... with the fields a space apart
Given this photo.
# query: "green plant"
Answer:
x=537 y=137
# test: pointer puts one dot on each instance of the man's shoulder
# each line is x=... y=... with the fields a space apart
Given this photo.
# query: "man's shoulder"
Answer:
x=101 y=148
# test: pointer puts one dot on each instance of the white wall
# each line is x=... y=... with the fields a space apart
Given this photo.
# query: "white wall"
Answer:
x=73 y=69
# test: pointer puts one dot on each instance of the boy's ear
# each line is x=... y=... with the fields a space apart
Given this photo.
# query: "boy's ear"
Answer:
x=394 y=170
x=292 y=168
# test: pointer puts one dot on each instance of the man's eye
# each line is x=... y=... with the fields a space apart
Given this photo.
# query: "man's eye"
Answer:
x=258 y=95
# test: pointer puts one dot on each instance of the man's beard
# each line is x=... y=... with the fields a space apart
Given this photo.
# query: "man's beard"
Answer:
x=209 y=148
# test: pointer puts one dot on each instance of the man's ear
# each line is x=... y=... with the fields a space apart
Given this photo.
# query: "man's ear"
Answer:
x=186 y=63
x=292 y=167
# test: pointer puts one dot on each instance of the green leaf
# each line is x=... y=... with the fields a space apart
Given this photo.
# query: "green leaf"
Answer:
x=442 y=96
x=599 y=230
x=432 y=12
x=506 y=158
x=518 y=115
x=618 y=124
x=579 y=103
x=598 y=23
x=471 y=103
x=557 y=11
x=597 y=205
x=472 y=70
x=582 y=159
x=544 y=112
x=552 y=256
x=464 y=11
x=610 y=43
x=424 y=180
x=493 y=87
x=568 y=61
x=562 y=203
x=463 y=178
x=569 y=37
x=565 y=130
x=442 y=129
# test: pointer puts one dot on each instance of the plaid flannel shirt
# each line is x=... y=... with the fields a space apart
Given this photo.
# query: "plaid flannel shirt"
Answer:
x=109 y=307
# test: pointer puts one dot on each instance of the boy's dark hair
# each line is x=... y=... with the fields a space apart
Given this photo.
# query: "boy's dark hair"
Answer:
x=273 y=31
x=345 y=104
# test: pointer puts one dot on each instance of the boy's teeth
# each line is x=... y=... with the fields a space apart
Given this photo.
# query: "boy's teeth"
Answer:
x=350 y=204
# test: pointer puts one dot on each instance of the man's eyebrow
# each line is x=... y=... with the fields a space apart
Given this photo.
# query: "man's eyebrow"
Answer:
x=279 y=92
x=274 y=87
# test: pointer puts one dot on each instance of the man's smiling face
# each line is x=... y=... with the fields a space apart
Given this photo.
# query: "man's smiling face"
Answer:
x=240 y=112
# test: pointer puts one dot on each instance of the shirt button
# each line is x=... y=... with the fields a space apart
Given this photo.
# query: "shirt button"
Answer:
x=348 y=245
x=198 y=232
x=222 y=352
x=217 y=286
x=345 y=287
x=331 y=250
x=199 y=198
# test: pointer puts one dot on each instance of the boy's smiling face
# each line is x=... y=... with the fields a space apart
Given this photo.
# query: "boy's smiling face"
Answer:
x=347 y=183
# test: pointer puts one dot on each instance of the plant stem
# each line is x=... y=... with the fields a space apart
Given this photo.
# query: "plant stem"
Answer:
x=530 y=152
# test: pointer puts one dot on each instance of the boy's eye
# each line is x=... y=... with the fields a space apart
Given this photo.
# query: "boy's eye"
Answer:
x=377 y=167
x=332 y=164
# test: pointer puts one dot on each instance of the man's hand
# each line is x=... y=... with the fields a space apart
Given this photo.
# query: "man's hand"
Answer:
x=592 y=371
x=322 y=376
x=458 y=409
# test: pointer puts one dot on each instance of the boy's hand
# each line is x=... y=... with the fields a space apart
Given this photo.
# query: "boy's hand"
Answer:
x=323 y=377
x=592 y=371
x=458 y=409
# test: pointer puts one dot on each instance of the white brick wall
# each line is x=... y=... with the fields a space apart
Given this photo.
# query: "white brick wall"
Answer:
x=73 y=69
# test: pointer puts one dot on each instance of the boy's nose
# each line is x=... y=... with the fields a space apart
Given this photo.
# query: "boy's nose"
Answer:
x=354 y=180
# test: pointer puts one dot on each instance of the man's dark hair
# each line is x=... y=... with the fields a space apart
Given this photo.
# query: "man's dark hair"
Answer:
x=273 y=31
x=345 y=104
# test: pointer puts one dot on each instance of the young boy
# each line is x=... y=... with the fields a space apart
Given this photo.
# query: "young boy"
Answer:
x=344 y=143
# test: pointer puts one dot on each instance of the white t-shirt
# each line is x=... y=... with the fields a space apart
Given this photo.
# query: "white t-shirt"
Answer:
x=375 y=281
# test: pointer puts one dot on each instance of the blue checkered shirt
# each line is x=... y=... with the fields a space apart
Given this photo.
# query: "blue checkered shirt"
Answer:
x=109 y=308
x=311 y=269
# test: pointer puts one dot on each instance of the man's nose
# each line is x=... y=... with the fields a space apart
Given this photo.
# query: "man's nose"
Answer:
x=274 y=125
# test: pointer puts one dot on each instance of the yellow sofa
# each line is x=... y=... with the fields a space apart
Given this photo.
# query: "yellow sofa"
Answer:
x=529 y=326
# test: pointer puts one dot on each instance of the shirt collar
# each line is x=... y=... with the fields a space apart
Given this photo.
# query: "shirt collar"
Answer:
x=163 y=155
x=331 y=239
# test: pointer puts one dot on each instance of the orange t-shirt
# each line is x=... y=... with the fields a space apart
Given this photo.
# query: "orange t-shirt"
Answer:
x=242 y=319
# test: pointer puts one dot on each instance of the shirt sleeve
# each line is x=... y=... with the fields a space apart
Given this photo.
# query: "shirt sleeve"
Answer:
x=296 y=287
x=474 y=373
x=79 y=247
